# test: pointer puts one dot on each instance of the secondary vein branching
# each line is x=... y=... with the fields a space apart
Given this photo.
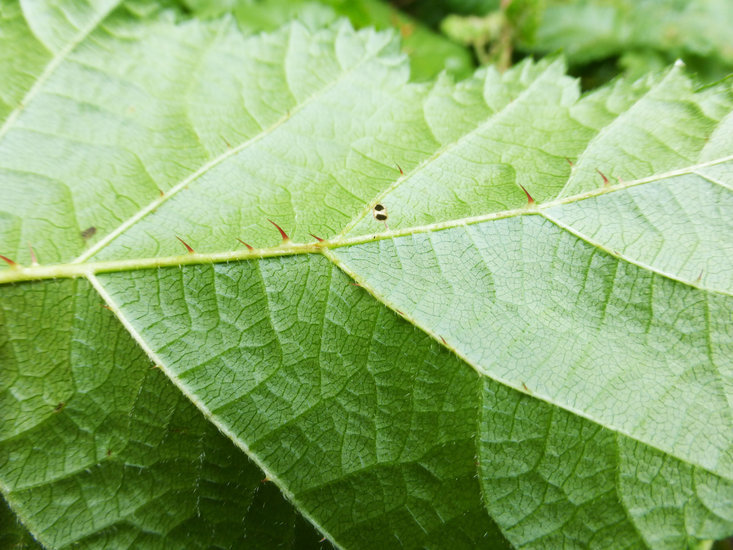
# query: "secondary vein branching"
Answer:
x=184 y=183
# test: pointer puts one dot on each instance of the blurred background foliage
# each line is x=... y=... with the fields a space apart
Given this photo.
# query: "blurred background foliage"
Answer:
x=601 y=39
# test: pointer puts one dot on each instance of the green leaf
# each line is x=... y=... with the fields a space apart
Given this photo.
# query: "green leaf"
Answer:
x=641 y=31
x=430 y=53
x=544 y=374
x=100 y=449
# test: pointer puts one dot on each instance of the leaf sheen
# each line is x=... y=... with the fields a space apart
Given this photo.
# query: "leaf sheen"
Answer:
x=543 y=375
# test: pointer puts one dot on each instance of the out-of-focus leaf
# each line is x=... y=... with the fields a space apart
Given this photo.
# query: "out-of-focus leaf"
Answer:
x=642 y=32
x=429 y=52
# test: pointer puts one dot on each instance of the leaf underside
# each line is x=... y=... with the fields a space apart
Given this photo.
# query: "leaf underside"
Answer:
x=476 y=371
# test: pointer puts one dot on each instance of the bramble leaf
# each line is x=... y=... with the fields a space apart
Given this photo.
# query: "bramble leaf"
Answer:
x=479 y=369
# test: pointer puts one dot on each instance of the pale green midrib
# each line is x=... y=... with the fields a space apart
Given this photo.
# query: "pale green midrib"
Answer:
x=156 y=203
x=426 y=163
x=75 y=269
x=52 y=65
x=363 y=283
x=208 y=414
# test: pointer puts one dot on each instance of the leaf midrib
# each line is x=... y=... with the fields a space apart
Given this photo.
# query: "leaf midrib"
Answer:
x=78 y=268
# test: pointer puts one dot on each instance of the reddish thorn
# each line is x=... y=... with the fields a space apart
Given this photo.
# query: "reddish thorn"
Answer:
x=284 y=235
x=443 y=340
x=245 y=244
x=699 y=277
x=34 y=260
x=530 y=200
x=155 y=367
x=398 y=311
x=316 y=238
x=190 y=250
x=8 y=261
x=225 y=141
x=105 y=306
x=605 y=179
x=265 y=480
x=525 y=387
x=570 y=162
x=323 y=539
x=161 y=192
x=400 y=169
x=354 y=284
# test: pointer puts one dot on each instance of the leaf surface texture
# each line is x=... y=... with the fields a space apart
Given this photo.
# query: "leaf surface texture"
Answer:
x=502 y=373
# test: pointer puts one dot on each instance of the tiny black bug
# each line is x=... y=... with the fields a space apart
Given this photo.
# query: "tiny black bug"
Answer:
x=380 y=214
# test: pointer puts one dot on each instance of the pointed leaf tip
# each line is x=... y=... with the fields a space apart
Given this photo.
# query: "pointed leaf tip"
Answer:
x=530 y=200
x=282 y=233
x=190 y=250
x=8 y=261
x=245 y=244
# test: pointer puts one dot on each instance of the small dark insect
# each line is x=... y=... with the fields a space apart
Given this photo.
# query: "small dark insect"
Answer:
x=88 y=233
x=59 y=407
x=380 y=213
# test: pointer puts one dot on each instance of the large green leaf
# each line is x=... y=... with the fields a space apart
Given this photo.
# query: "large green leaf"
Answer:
x=430 y=53
x=643 y=33
x=545 y=373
